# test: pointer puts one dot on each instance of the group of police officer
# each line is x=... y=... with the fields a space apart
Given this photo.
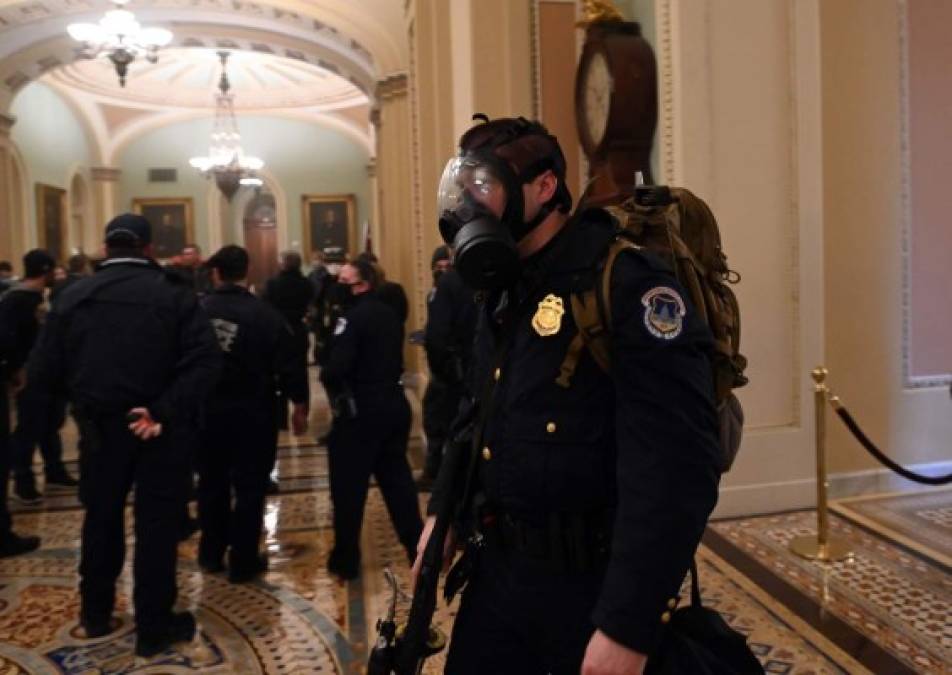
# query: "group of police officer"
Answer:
x=580 y=503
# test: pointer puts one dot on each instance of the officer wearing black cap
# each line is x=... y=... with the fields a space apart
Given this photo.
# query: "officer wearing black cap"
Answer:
x=591 y=493
x=239 y=441
x=371 y=421
x=448 y=339
x=136 y=356
x=19 y=325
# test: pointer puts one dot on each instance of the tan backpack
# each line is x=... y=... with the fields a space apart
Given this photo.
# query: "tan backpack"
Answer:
x=679 y=227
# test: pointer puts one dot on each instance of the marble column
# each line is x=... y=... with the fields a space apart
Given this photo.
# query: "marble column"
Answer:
x=9 y=199
x=105 y=204
x=396 y=231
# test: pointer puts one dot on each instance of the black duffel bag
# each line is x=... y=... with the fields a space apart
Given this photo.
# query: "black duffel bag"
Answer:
x=697 y=641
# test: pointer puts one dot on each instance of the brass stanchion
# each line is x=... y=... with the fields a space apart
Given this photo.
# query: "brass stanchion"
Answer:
x=821 y=547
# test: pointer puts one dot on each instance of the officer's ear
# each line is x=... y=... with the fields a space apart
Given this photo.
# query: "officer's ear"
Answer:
x=544 y=186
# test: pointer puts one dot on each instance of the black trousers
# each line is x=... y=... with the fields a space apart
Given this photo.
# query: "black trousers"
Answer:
x=441 y=403
x=518 y=616
x=38 y=423
x=112 y=460
x=237 y=452
x=5 y=522
x=374 y=443
x=300 y=347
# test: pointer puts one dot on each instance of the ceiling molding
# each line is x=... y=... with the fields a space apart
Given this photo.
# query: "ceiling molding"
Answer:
x=373 y=29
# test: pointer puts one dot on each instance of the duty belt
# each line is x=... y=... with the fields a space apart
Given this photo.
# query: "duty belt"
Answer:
x=569 y=542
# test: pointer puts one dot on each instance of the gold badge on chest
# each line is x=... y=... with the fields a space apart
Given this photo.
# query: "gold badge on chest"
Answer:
x=548 y=318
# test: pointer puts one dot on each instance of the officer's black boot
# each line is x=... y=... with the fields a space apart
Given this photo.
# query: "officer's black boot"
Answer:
x=180 y=628
x=12 y=544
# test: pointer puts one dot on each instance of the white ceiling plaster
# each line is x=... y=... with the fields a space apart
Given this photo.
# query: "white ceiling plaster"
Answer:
x=188 y=78
x=373 y=29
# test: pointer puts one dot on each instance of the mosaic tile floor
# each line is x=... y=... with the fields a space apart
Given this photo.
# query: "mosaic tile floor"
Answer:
x=889 y=606
x=298 y=619
x=921 y=521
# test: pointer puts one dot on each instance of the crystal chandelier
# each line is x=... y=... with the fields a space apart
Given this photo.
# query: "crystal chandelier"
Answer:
x=120 y=38
x=226 y=161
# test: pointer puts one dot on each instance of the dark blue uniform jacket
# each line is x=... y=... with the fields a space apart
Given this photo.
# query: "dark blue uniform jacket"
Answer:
x=639 y=443
x=130 y=335
x=258 y=349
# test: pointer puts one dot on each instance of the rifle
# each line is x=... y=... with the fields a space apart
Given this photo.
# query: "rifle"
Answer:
x=403 y=650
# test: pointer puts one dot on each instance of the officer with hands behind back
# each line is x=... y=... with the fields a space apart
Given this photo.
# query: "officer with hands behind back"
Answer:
x=590 y=492
x=136 y=355
x=240 y=438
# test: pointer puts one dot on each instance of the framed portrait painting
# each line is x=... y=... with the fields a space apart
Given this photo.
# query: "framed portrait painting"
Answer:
x=329 y=221
x=51 y=220
x=171 y=219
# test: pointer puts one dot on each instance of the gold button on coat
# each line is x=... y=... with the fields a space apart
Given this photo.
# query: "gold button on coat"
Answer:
x=497 y=373
x=550 y=427
x=666 y=617
x=487 y=454
x=672 y=603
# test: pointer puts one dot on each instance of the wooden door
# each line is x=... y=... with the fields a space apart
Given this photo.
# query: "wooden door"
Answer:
x=261 y=239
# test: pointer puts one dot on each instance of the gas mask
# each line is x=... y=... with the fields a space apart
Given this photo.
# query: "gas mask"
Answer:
x=486 y=179
x=485 y=249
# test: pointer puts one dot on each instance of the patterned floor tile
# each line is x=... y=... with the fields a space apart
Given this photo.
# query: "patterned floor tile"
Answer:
x=921 y=521
x=900 y=600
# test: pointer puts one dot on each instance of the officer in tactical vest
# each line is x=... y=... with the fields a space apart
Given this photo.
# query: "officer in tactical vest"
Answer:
x=589 y=496
x=371 y=420
x=240 y=438
x=136 y=356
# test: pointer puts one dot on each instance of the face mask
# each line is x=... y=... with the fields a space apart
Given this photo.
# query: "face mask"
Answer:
x=486 y=256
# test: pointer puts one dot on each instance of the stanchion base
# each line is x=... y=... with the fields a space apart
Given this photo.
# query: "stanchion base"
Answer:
x=833 y=550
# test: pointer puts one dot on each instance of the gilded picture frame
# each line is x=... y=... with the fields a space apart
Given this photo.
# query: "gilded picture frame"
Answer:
x=329 y=220
x=51 y=226
x=172 y=223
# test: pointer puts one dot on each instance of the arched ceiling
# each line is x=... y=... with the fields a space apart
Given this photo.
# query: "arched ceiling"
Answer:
x=188 y=78
x=361 y=40
x=308 y=59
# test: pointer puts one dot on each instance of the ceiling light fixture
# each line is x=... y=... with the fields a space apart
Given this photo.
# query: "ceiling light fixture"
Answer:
x=120 y=38
x=226 y=161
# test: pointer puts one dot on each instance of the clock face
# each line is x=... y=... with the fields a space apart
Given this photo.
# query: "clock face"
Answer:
x=597 y=97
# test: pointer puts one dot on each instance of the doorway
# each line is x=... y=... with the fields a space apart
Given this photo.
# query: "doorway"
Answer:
x=261 y=238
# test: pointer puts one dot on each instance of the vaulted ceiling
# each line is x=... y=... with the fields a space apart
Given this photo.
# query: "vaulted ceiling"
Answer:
x=312 y=59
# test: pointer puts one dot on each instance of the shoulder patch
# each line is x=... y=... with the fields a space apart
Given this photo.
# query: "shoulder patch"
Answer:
x=664 y=312
x=341 y=326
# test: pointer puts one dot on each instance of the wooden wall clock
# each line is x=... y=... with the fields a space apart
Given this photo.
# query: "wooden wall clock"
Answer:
x=616 y=106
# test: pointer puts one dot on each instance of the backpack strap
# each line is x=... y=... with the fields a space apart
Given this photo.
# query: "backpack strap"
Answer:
x=591 y=311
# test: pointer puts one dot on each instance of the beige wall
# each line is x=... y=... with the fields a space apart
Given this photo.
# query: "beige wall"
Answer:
x=930 y=167
x=864 y=214
x=557 y=59
x=740 y=126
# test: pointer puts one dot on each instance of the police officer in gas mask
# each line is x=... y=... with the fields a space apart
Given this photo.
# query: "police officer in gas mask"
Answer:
x=589 y=492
